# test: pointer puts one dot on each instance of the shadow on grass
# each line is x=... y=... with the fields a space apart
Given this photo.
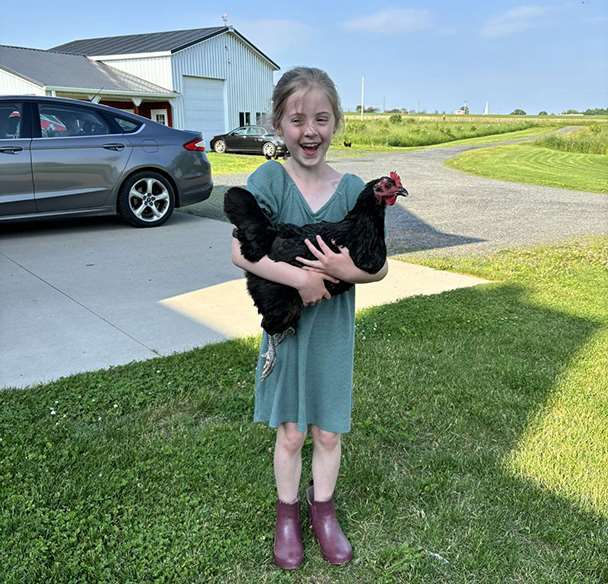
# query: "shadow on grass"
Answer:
x=155 y=471
x=474 y=369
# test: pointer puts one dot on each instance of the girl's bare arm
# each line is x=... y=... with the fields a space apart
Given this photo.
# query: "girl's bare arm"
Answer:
x=280 y=272
x=310 y=286
x=362 y=277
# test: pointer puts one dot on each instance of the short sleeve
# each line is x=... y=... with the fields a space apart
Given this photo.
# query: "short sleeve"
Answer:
x=260 y=184
x=354 y=187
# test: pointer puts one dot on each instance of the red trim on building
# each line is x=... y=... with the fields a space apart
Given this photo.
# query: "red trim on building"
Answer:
x=144 y=109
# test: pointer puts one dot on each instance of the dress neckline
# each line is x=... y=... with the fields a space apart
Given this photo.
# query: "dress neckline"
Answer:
x=303 y=198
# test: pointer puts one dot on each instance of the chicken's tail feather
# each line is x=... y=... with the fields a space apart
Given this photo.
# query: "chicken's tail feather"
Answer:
x=253 y=227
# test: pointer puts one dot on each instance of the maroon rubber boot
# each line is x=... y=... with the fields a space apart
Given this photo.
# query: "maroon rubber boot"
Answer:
x=335 y=548
x=288 y=549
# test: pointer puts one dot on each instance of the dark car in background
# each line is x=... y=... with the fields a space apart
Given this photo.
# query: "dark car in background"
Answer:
x=66 y=157
x=250 y=140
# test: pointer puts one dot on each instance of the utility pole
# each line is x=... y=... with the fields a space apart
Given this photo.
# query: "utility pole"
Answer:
x=362 y=95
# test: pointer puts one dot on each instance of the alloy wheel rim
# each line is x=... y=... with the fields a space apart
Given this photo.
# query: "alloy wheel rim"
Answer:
x=149 y=200
x=269 y=149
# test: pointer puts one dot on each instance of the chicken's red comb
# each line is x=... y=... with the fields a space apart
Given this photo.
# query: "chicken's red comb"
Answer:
x=395 y=178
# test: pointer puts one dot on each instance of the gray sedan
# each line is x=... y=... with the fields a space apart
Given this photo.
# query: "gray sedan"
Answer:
x=65 y=157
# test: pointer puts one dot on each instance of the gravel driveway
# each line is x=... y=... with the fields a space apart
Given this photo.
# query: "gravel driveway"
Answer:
x=450 y=212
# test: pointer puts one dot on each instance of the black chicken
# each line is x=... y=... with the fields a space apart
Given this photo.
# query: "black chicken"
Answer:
x=361 y=231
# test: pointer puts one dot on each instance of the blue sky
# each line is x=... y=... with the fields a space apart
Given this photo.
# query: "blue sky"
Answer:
x=432 y=55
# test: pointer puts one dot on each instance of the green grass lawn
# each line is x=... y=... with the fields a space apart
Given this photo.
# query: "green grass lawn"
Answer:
x=234 y=163
x=537 y=165
x=478 y=451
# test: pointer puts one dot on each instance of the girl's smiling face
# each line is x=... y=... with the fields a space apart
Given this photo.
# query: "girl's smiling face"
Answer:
x=307 y=126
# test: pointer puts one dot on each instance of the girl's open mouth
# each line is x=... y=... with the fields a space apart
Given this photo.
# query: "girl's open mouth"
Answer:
x=310 y=149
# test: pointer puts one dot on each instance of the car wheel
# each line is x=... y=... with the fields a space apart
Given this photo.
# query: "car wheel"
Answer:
x=219 y=146
x=147 y=199
x=269 y=150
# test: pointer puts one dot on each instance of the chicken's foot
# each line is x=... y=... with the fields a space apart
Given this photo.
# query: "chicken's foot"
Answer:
x=270 y=356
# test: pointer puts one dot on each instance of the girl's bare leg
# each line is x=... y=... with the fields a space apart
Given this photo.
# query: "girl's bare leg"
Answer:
x=326 y=455
x=288 y=461
x=335 y=547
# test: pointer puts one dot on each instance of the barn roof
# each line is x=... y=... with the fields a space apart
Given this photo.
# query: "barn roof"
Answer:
x=153 y=42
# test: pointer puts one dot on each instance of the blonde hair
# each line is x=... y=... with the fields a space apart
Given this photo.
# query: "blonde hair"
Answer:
x=304 y=78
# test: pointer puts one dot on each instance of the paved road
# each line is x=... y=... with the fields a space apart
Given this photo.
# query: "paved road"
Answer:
x=450 y=212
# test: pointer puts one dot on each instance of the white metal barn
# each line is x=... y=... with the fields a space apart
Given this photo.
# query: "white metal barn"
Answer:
x=207 y=79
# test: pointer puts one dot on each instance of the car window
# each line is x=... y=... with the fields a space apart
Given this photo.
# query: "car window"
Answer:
x=127 y=126
x=64 y=120
x=10 y=120
x=255 y=132
x=240 y=132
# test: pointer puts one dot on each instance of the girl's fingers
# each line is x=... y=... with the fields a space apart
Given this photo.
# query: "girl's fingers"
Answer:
x=313 y=249
x=324 y=247
x=312 y=263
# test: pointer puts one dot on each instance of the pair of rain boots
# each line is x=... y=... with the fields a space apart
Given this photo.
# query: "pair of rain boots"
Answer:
x=288 y=548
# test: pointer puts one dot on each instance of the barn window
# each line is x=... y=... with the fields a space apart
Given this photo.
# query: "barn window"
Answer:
x=244 y=118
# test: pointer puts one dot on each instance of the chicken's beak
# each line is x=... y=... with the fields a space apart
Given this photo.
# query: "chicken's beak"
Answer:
x=402 y=192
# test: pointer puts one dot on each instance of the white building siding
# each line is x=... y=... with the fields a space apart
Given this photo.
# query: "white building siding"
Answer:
x=154 y=69
x=14 y=85
x=247 y=75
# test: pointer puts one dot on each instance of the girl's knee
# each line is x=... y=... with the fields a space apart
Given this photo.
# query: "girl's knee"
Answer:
x=325 y=439
x=289 y=437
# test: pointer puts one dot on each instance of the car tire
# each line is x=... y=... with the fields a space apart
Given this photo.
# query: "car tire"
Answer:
x=269 y=150
x=146 y=199
x=219 y=147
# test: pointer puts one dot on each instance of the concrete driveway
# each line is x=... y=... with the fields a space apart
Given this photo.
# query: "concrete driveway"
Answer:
x=84 y=295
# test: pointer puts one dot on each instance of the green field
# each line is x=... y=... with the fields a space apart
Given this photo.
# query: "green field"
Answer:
x=478 y=451
x=589 y=140
x=410 y=132
x=401 y=130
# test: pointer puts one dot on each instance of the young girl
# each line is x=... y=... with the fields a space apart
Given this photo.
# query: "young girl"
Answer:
x=311 y=384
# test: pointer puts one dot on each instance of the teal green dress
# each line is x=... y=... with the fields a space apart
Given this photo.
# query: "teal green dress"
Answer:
x=311 y=382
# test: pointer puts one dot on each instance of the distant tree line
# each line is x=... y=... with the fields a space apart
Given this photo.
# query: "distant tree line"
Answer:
x=598 y=111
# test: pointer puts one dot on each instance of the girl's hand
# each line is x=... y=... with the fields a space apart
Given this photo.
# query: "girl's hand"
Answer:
x=339 y=265
x=313 y=289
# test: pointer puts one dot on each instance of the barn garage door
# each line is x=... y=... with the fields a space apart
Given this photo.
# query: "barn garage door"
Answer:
x=204 y=106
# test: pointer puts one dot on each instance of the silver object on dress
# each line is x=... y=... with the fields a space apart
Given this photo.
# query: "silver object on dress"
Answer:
x=270 y=356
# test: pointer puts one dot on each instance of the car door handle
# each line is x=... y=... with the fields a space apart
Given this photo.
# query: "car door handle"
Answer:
x=10 y=149
x=114 y=146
